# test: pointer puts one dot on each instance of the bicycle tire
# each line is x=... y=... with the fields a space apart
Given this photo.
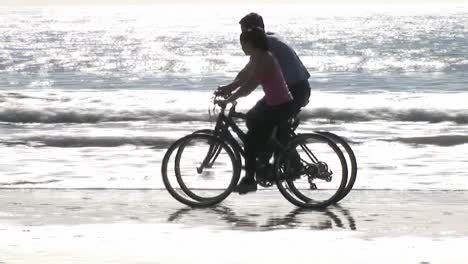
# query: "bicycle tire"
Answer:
x=296 y=197
x=201 y=202
x=209 y=159
x=234 y=147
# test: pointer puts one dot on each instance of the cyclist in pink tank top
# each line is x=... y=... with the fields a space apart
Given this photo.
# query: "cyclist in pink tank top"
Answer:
x=275 y=88
x=275 y=107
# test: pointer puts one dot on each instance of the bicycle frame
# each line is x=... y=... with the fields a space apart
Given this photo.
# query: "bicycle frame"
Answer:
x=223 y=123
x=293 y=158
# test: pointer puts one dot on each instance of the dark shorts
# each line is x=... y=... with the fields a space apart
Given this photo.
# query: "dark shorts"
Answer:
x=266 y=117
x=261 y=120
x=301 y=94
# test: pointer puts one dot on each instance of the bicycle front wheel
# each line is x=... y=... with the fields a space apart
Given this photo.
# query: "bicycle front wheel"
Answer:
x=311 y=172
x=202 y=179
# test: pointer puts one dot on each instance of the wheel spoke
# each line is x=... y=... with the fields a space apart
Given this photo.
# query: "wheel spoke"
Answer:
x=200 y=180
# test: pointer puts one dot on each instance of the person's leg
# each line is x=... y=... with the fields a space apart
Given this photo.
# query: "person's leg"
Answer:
x=283 y=113
x=256 y=138
x=260 y=121
x=255 y=112
x=254 y=142
x=255 y=124
x=301 y=95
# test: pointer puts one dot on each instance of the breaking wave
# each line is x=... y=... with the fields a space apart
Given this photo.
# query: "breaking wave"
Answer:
x=50 y=116
x=441 y=140
x=75 y=142
x=388 y=114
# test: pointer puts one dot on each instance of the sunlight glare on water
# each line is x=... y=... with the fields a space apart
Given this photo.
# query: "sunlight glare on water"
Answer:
x=92 y=96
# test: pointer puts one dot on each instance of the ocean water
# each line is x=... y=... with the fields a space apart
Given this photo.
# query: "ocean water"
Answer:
x=90 y=97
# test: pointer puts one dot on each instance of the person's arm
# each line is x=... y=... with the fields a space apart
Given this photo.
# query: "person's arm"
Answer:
x=249 y=84
x=241 y=78
x=243 y=75
x=244 y=90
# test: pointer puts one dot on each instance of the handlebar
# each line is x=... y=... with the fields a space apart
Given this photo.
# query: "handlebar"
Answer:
x=232 y=111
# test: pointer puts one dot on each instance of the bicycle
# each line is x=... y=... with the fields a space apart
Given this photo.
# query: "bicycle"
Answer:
x=224 y=152
x=293 y=123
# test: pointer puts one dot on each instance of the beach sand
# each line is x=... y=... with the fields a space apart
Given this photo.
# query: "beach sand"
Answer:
x=149 y=226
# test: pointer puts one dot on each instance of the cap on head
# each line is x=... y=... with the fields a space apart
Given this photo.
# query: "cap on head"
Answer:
x=252 y=20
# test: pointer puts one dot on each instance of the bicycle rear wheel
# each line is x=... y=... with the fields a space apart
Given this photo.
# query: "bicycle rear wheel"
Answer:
x=201 y=180
x=350 y=160
x=311 y=172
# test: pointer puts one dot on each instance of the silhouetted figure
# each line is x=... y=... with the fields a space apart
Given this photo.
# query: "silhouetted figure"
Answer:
x=274 y=108
x=295 y=75
x=294 y=72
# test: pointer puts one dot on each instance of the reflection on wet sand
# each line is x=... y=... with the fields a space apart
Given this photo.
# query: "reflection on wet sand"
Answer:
x=225 y=214
x=334 y=217
x=373 y=213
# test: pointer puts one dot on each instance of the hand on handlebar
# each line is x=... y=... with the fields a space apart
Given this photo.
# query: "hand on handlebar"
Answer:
x=223 y=92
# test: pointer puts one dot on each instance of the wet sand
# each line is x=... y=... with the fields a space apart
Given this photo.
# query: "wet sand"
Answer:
x=149 y=226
